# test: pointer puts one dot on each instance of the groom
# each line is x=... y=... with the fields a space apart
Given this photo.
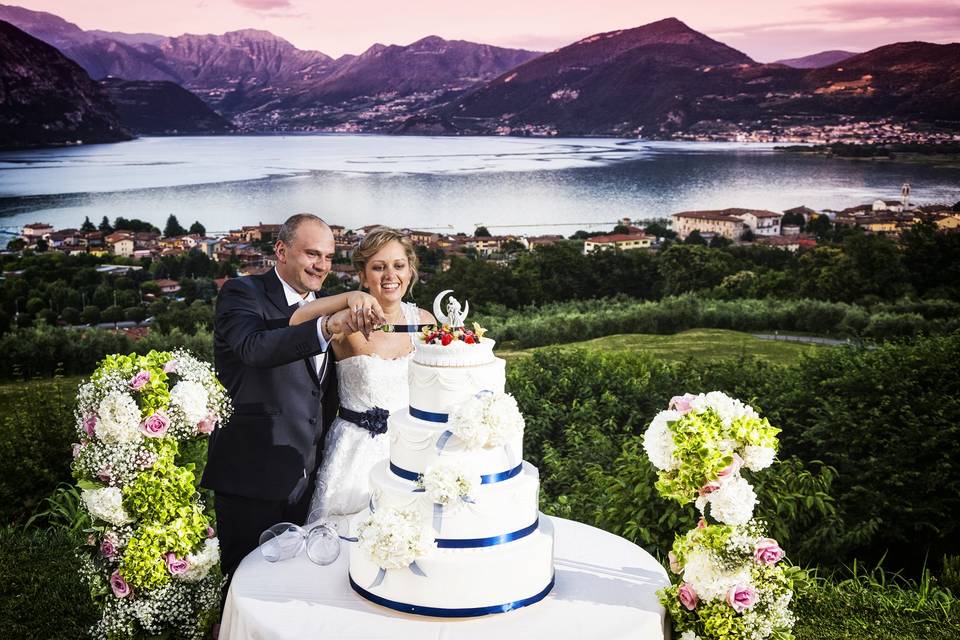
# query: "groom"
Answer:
x=261 y=464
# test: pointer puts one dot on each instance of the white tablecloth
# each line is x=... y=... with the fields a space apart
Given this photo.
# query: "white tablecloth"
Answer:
x=605 y=588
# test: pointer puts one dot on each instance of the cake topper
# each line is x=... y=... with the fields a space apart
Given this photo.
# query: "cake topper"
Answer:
x=454 y=317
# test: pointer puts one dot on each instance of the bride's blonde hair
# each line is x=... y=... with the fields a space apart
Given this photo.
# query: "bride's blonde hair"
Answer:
x=376 y=239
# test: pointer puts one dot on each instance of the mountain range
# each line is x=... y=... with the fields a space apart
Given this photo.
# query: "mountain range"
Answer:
x=660 y=80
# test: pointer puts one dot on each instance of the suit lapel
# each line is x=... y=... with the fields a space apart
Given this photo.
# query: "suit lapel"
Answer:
x=274 y=290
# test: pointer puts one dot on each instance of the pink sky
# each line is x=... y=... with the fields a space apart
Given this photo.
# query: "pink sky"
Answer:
x=765 y=30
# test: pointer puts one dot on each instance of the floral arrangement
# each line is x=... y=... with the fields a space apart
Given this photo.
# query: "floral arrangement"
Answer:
x=445 y=334
x=449 y=484
x=151 y=562
x=487 y=419
x=394 y=538
x=729 y=581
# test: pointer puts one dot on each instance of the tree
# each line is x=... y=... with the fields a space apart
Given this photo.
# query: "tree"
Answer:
x=42 y=245
x=173 y=228
x=481 y=232
x=90 y=314
x=17 y=244
x=112 y=314
x=198 y=228
x=718 y=241
x=87 y=226
x=820 y=226
x=793 y=219
x=105 y=225
x=134 y=225
x=956 y=207
x=660 y=230
x=70 y=315
x=747 y=235
x=685 y=268
x=621 y=228
x=695 y=238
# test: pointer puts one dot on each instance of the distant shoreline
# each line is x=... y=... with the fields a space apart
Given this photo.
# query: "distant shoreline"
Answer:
x=940 y=155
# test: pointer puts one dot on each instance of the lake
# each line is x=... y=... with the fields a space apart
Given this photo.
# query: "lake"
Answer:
x=525 y=185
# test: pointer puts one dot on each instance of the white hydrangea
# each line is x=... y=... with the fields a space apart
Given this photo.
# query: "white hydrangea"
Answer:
x=504 y=420
x=658 y=441
x=689 y=635
x=729 y=409
x=199 y=564
x=707 y=578
x=394 y=538
x=106 y=504
x=733 y=502
x=466 y=422
x=448 y=483
x=118 y=419
x=192 y=398
x=758 y=458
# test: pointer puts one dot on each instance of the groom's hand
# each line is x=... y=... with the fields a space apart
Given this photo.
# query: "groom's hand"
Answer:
x=346 y=321
x=367 y=310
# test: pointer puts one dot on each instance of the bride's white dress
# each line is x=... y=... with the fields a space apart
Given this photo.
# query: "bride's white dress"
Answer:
x=350 y=452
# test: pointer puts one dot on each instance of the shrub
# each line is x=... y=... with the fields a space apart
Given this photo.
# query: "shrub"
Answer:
x=41 y=595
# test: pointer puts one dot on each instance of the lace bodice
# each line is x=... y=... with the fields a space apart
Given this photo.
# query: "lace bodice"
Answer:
x=368 y=381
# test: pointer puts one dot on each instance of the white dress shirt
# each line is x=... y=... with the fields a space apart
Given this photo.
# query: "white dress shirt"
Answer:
x=294 y=297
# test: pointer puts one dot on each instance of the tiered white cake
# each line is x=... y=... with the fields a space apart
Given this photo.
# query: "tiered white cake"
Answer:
x=493 y=551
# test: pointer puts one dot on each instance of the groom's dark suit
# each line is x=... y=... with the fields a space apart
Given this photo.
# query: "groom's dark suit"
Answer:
x=261 y=463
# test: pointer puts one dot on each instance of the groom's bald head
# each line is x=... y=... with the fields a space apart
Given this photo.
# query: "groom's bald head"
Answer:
x=305 y=248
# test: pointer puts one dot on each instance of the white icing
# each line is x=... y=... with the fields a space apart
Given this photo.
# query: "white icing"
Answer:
x=497 y=508
x=413 y=447
x=466 y=578
x=438 y=390
x=455 y=354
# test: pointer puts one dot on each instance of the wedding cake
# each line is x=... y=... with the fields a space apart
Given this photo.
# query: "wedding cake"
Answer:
x=453 y=527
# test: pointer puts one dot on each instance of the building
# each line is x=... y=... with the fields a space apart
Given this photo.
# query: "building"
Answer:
x=543 y=241
x=121 y=243
x=728 y=223
x=424 y=238
x=168 y=287
x=259 y=233
x=715 y=222
x=807 y=213
x=35 y=231
x=618 y=241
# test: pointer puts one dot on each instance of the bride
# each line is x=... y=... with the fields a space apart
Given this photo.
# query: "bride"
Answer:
x=371 y=372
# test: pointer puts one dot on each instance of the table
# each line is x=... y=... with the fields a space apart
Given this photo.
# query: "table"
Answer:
x=605 y=588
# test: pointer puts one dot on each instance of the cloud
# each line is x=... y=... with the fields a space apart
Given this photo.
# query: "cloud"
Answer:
x=891 y=10
x=264 y=5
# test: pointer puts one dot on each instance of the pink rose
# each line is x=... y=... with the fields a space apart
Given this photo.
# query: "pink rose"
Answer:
x=170 y=366
x=702 y=523
x=120 y=587
x=688 y=597
x=105 y=474
x=140 y=380
x=674 y=564
x=176 y=565
x=156 y=425
x=91 y=539
x=741 y=597
x=210 y=532
x=89 y=422
x=682 y=403
x=732 y=469
x=708 y=488
x=77 y=448
x=207 y=424
x=767 y=551
x=107 y=550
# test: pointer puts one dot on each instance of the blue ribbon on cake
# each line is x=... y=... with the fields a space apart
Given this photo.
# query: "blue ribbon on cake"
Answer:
x=487 y=479
x=440 y=612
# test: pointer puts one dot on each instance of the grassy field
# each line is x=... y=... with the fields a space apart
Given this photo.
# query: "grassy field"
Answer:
x=696 y=344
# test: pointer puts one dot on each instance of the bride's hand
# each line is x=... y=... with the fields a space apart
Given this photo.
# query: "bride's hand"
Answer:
x=367 y=309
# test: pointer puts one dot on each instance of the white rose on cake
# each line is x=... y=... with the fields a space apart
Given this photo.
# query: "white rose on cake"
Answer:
x=449 y=483
x=504 y=419
x=394 y=538
x=118 y=419
x=192 y=398
x=467 y=423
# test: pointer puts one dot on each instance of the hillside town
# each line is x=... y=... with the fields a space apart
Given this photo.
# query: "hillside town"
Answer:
x=250 y=247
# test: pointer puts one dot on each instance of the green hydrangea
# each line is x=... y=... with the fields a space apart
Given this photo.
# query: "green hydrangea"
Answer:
x=157 y=493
